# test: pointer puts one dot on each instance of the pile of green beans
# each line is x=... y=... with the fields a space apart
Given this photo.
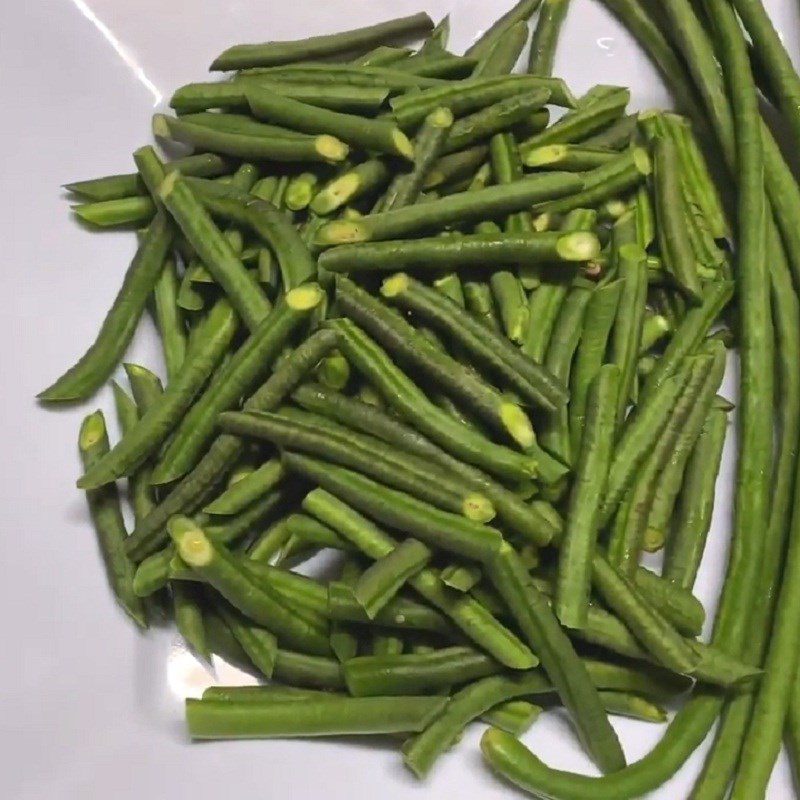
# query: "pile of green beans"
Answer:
x=475 y=359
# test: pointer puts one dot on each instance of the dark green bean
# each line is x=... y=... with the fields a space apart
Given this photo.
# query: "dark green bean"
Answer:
x=562 y=665
x=497 y=355
x=460 y=208
x=191 y=492
x=216 y=565
x=232 y=95
x=106 y=514
x=520 y=12
x=575 y=558
x=243 y=56
x=119 y=325
x=421 y=751
x=211 y=342
x=239 y=376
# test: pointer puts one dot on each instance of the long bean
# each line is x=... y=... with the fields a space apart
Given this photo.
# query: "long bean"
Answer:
x=520 y=12
x=239 y=376
x=104 y=508
x=243 y=290
x=562 y=665
x=263 y=143
x=211 y=342
x=191 y=492
x=243 y=56
x=467 y=613
x=369 y=134
x=462 y=207
x=695 y=503
x=574 y=565
x=116 y=332
x=333 y=716
x=545 y=36
x=525 y=520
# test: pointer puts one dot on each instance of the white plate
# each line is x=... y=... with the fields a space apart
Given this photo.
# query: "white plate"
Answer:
x=88 y=707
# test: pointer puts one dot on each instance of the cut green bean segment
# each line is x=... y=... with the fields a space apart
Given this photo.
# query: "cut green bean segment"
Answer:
x=502 y=56
x=259 y=644
x=567 y=672
x=215 y=564
x=116 y=187
x=106 y=515
x=421 y=752
x=247 y=490
x=567 y=157
x=460 y=252
x=231 y=95
x=545 y=36
x=239 y=376
x=455 y=167
x=429 y=143
x=243 y=56
x=263 y=144
x=334 y=716
x=436 y=528
x=575 y=557
x=461 y=208
x=522 y=11
x=672 y=474
x=211 y=342
x=496 y=118
x=674 y=244
x=243 y=290
x=580 y=123
x=124 y=212
x=497 y=356
x=514 y=716
x=362 y=179
x=119 y=325
x=405 y=341
x=383 y=55
x=324 y=73
x=369 y=134
x=380 y=582
x=626 y=334
x=558 y=360
x=511 y=303
x=419 y=673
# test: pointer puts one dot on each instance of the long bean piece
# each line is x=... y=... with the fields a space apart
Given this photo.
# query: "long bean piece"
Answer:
x=116 y=332
x=243 y=56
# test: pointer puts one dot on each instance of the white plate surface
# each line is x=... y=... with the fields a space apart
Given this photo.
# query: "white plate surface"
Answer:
x=87 y=706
